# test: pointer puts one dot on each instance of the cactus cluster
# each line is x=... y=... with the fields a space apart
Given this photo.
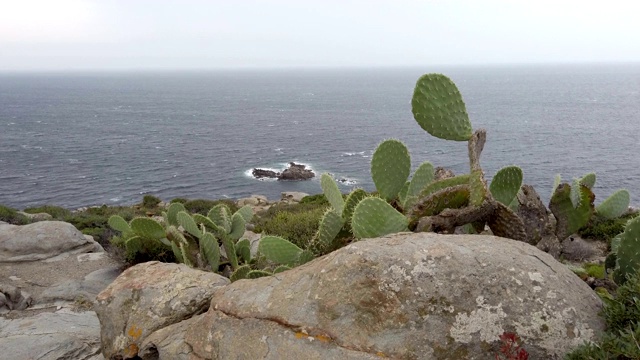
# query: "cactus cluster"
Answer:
x=624 y=259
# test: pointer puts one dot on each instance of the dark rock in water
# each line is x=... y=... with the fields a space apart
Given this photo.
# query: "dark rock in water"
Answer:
x=262 y=173
x=296 y=172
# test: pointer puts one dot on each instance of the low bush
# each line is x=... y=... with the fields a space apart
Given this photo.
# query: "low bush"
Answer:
x=150 y=201
x=57 y=212
x=600 y=228
x=622 y=337
x=202 y=206
x=318 y=199
x=12 y=216
x=297 y=223
x=179 y=200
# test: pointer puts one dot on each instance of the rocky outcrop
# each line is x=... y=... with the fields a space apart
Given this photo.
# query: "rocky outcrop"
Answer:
x=37 y=217
x=148 y=297
x=292 y=196
x=42 y=240
x=293 y=172
x=12 y=298
x=422 y=296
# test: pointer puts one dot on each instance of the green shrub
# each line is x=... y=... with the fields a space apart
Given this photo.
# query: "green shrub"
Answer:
x=94 y=221
x=202 y=206
x=12 y=216
x=318 y=199
x=622 y=316
x=57 y=212
x=150 y=201
x=603 y=229
x=595 y=270
x=297 y=223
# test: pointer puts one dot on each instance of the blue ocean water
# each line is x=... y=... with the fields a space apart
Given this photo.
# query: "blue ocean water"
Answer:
x=78 y=139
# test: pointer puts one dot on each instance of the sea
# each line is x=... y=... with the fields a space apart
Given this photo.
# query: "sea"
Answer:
x=77 y=139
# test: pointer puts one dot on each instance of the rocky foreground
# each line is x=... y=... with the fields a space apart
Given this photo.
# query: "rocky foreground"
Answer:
x=419 y=296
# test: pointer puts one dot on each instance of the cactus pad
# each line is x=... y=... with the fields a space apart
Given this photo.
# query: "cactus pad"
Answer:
x=221 y=216
x=279 y=250
x=305 y=256
x=570 y=219
x=589 y=180
x=118 y=223
x=443 y=184
x=575 y=193
x=237 y=227
x=438 y=108
x=281 y=268
x=254 y=274
x=507 y=224
x=421 y=178
x=133 y=245
x=172 y=213
x=240 y=273
x=374 y=217
x=230 y=251
x=147 y=228
x=556 y=183
x=210 y=250
x=330 y=225
x=243 y=249
x=350 y=204
x=506 y=184
x=177 y=253
x=246 y=212
x=628 y=255
x=331 y=192
x=454 y=197
x=390 y=168
x=188 y=224
x=615 y=205
x=477 y=188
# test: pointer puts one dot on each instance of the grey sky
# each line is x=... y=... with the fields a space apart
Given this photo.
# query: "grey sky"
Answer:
x=191 y=34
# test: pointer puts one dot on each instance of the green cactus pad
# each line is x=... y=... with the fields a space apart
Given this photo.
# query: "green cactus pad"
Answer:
x=254 y=274
x=243 y=250
x=210 y=250
x=118 y=223
x=230 y=251
x=217 y=230
x=350 y=204
x=330 y=225
x=402 y=195
x=439 y=109
x=221 y=216
x=172 y=213
x=281 y=268
x=133 y=245
x=615 y=242
x=331 y=192
x=443 y=184
x=506 y=184
x=246 y=212
x=185 y=255
x=305 y=256
x=188 y=224
x=279 y=250
x=177 y=253
x=477 y=188
x=507 y=224
x=615 y=205
x=628 y=255
x=570 y=219
x=589 y=180
x=237 y=227
x=174 y=235
x=374 y=217
x=390 y=168
x=421 y=178
x=147 y=228
x=454 y=197
x=240 y=273
x=575 y=194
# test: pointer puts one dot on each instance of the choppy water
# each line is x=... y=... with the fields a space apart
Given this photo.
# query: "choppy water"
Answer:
x=83 y=139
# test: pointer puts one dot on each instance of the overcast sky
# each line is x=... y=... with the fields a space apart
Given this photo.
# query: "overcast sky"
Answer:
x=192 y=34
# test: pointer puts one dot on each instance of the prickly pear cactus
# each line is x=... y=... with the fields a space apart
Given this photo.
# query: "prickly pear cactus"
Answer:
x=438 y=108
x=421 y=178
x=279 y=250
x=330 y=225
x=390 y=168
x=172 y=213
x=147 y=228
x=589 y=180
x=628 y=255
x=374 y=217
x=506 y=184
x=331 y=192
x=571 y=219
x=615 y=205
x=350 y=203
x=210 y=250
x=118 y=223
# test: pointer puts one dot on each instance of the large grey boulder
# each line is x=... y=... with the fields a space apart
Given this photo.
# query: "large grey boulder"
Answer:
x=414 y=296
x=148 y=297
x=63 y=335
x=85 y=289
x=42 y=240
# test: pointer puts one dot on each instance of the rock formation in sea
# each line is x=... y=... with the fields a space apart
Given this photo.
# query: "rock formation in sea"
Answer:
x=293 y=172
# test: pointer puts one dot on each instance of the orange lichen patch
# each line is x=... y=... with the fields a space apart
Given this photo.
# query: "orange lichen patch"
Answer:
x=135 y=332
x=322 y=338
x=131 y=351
x=381 y=354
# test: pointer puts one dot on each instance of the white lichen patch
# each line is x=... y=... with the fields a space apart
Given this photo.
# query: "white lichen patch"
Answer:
x=537 y=289
x=551 y=294
x=486 y=321
x=536 y=276
x=396 y=275
x=517 y=281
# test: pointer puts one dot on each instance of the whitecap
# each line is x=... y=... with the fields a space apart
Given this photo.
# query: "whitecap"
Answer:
x=115 y=199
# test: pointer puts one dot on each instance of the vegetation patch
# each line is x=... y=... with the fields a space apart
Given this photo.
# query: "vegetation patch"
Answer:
x=12 y=216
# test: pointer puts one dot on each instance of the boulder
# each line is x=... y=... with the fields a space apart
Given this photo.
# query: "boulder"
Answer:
x=81 y=290
x=42 y=240
x=61 y=335
x=415 y=295
x=296 y=172
x=262 y=173
x=292 y=196
x=12 y=298
x=148 y=297
x=539 y=222
x=257 y=202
